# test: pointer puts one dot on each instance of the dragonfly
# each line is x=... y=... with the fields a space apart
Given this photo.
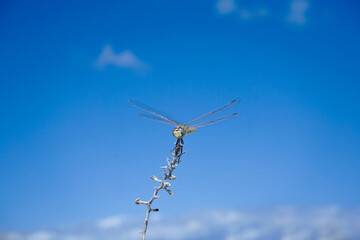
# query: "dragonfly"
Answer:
x=181 y=130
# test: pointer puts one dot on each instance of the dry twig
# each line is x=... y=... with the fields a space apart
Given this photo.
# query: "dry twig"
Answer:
x=167 y=170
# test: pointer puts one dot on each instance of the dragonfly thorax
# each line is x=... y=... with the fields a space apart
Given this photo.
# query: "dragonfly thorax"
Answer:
x=182 y=130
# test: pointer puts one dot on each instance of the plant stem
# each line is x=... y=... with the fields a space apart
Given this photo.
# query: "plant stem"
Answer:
x=177 y=153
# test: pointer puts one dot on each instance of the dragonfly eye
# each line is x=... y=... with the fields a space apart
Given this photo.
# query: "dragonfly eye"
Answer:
x=178 y=132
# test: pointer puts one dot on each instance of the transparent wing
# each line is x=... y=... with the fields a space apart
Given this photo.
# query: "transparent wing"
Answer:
x=155 y=118
x=157 y=113
x=212 y=122
x=218 y=110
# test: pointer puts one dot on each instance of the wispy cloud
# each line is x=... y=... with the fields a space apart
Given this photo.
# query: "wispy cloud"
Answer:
x=125 y=59
x=40 y=235
x=287 y=223
x=247 y=14
x=111 y=222
x=297 y=13
x=224 y=7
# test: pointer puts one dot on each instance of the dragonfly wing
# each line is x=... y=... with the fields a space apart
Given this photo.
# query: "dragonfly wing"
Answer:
x=157 y=113
x=155 y=118
x=212 y=122
x=218 y=110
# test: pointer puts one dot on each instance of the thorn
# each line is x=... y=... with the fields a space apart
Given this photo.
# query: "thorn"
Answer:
x=155 y=179
x=169 y=191
x=182 y=154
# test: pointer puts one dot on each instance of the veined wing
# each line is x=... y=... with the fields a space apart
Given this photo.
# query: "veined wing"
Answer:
x=155 y=118
x=218 y=110
x=211 y=122
x=149 y=109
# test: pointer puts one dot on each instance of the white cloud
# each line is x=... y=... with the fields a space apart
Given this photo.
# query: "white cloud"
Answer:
x=110 y=222
x=40 y=235
x=283 y=223
x=225 y=6
x=228 y=6
x=175 y=230
x=297 y=13
x=76 y=237
x=246 y=234
x=246 y=14
x=125 y=59
x=11 y=236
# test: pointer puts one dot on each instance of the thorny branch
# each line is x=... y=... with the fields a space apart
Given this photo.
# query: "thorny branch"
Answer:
x=177 y=153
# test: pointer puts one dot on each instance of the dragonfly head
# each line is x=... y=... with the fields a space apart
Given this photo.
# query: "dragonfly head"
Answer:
x=179 y=132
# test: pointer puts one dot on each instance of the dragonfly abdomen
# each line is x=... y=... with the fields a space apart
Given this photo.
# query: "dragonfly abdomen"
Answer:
x=191 y=130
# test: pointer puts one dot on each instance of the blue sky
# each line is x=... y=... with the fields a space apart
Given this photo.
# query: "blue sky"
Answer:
x=73 y=149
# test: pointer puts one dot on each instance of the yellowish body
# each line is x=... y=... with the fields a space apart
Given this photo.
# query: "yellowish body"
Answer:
x=182 y=130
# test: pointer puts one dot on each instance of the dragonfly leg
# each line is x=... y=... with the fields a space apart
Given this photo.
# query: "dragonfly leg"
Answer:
x=179 y=146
